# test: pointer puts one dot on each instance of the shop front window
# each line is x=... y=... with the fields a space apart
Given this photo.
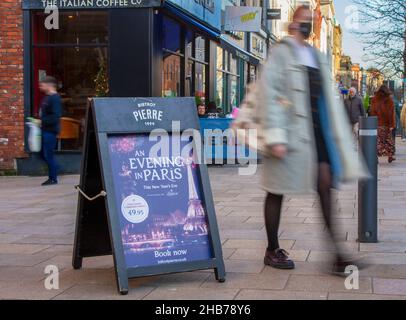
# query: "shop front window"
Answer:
x=234 y=101
x=220 y=89
x=173 y=57
x=220 y=78
x=228 y=81
x=196 y=67
x=78 y=27
x=171 y=76
x=253 y=73
x=77 y=56
x=200 y=49
x=234 y=84
x=201 y=61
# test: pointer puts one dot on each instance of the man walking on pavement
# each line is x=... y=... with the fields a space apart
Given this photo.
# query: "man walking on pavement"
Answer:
x=50 y=117
x=355 y=109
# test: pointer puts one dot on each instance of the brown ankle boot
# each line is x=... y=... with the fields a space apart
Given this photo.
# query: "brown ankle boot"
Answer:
x=278 y=259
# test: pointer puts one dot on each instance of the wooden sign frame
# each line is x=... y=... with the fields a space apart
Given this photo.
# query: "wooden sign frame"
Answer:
x=98 y=230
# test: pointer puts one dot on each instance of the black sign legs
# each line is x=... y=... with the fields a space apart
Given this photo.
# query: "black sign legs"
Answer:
x=220 y=274
x=77 y=262
x=122 y=280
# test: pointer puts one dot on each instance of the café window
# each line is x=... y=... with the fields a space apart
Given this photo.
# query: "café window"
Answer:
x=228 y=81
x=220 y=78
x=76 y=54
x=173 y=58
x=197 y=66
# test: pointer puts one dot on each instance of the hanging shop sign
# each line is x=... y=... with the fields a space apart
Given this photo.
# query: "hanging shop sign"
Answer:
x=244 y=19
x=151 y=204
x=89 y=4
x=274 y=14
x=208 y=11
x=258 y=46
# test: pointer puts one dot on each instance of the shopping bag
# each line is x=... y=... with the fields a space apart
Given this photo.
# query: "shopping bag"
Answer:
x=34 y=134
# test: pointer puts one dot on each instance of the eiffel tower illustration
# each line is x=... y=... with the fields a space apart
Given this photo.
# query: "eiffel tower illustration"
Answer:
x=195 y=219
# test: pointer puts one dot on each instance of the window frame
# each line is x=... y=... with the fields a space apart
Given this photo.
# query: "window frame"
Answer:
x=49 y=45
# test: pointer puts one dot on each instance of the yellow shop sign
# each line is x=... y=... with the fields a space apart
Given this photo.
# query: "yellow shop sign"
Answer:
x=250 y=16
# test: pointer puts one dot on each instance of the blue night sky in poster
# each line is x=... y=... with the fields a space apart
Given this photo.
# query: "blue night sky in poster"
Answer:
x=162 y=217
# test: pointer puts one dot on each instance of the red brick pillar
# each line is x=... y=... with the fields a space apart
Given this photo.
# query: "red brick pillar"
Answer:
x=11 y=84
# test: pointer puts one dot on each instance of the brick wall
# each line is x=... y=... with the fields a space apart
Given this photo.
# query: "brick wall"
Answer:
x=11 y=83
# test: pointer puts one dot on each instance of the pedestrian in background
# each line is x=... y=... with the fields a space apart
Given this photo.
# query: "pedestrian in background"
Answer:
x=398 y=108
x=382 y=106
x=307 y=133
x=355 y=110
x=50 y=111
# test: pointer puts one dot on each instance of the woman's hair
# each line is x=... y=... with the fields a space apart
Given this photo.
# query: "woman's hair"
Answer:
x=384 y=91
x=298 y=11
x=296 y=16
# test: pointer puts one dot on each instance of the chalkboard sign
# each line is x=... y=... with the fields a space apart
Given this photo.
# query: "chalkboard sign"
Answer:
x=155 y=212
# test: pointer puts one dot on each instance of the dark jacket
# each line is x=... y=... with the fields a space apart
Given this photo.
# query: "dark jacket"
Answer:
x=355 y=108
x=51 y=109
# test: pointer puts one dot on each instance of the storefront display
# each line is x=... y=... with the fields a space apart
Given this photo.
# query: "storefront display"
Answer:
x=76 y=55
x=162 y=49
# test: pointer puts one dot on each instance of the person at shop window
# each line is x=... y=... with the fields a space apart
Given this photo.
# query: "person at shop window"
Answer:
x=220 y=112
x=201 y=111
x=50 y=112
x=214 y=112
x=307 y=135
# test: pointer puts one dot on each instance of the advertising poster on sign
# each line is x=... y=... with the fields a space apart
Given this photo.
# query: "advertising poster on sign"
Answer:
x=162 y=217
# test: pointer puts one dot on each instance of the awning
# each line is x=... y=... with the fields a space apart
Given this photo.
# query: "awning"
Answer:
x=182 y=15
x=241 y=53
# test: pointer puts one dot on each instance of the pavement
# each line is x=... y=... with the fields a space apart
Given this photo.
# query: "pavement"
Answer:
x=37 y=229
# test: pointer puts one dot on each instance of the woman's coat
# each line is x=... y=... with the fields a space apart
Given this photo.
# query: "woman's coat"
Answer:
x=287 y=119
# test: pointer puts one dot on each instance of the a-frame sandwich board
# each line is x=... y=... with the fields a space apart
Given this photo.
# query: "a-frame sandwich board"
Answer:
x=153 y=211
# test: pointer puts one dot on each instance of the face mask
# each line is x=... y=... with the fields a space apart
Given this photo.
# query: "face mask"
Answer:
x=305 y=29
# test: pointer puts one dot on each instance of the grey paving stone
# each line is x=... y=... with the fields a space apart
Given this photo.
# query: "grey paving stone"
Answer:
x=192 y=294
x=258 y=254
x=250 y=294
x=248 y=281
x=362 y=296
x=244 y=266
x=325 y=283
x=390 y=286
x=100 y=291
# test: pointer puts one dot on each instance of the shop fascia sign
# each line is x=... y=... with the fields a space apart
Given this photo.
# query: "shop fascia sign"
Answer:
x=244 y=19
x=89 y=4
x=274 y=14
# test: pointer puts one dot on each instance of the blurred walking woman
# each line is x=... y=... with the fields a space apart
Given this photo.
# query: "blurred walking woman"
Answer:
x=383 y=107
x=306 y=131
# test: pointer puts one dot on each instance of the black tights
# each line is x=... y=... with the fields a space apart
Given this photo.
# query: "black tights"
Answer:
x=273 y=206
